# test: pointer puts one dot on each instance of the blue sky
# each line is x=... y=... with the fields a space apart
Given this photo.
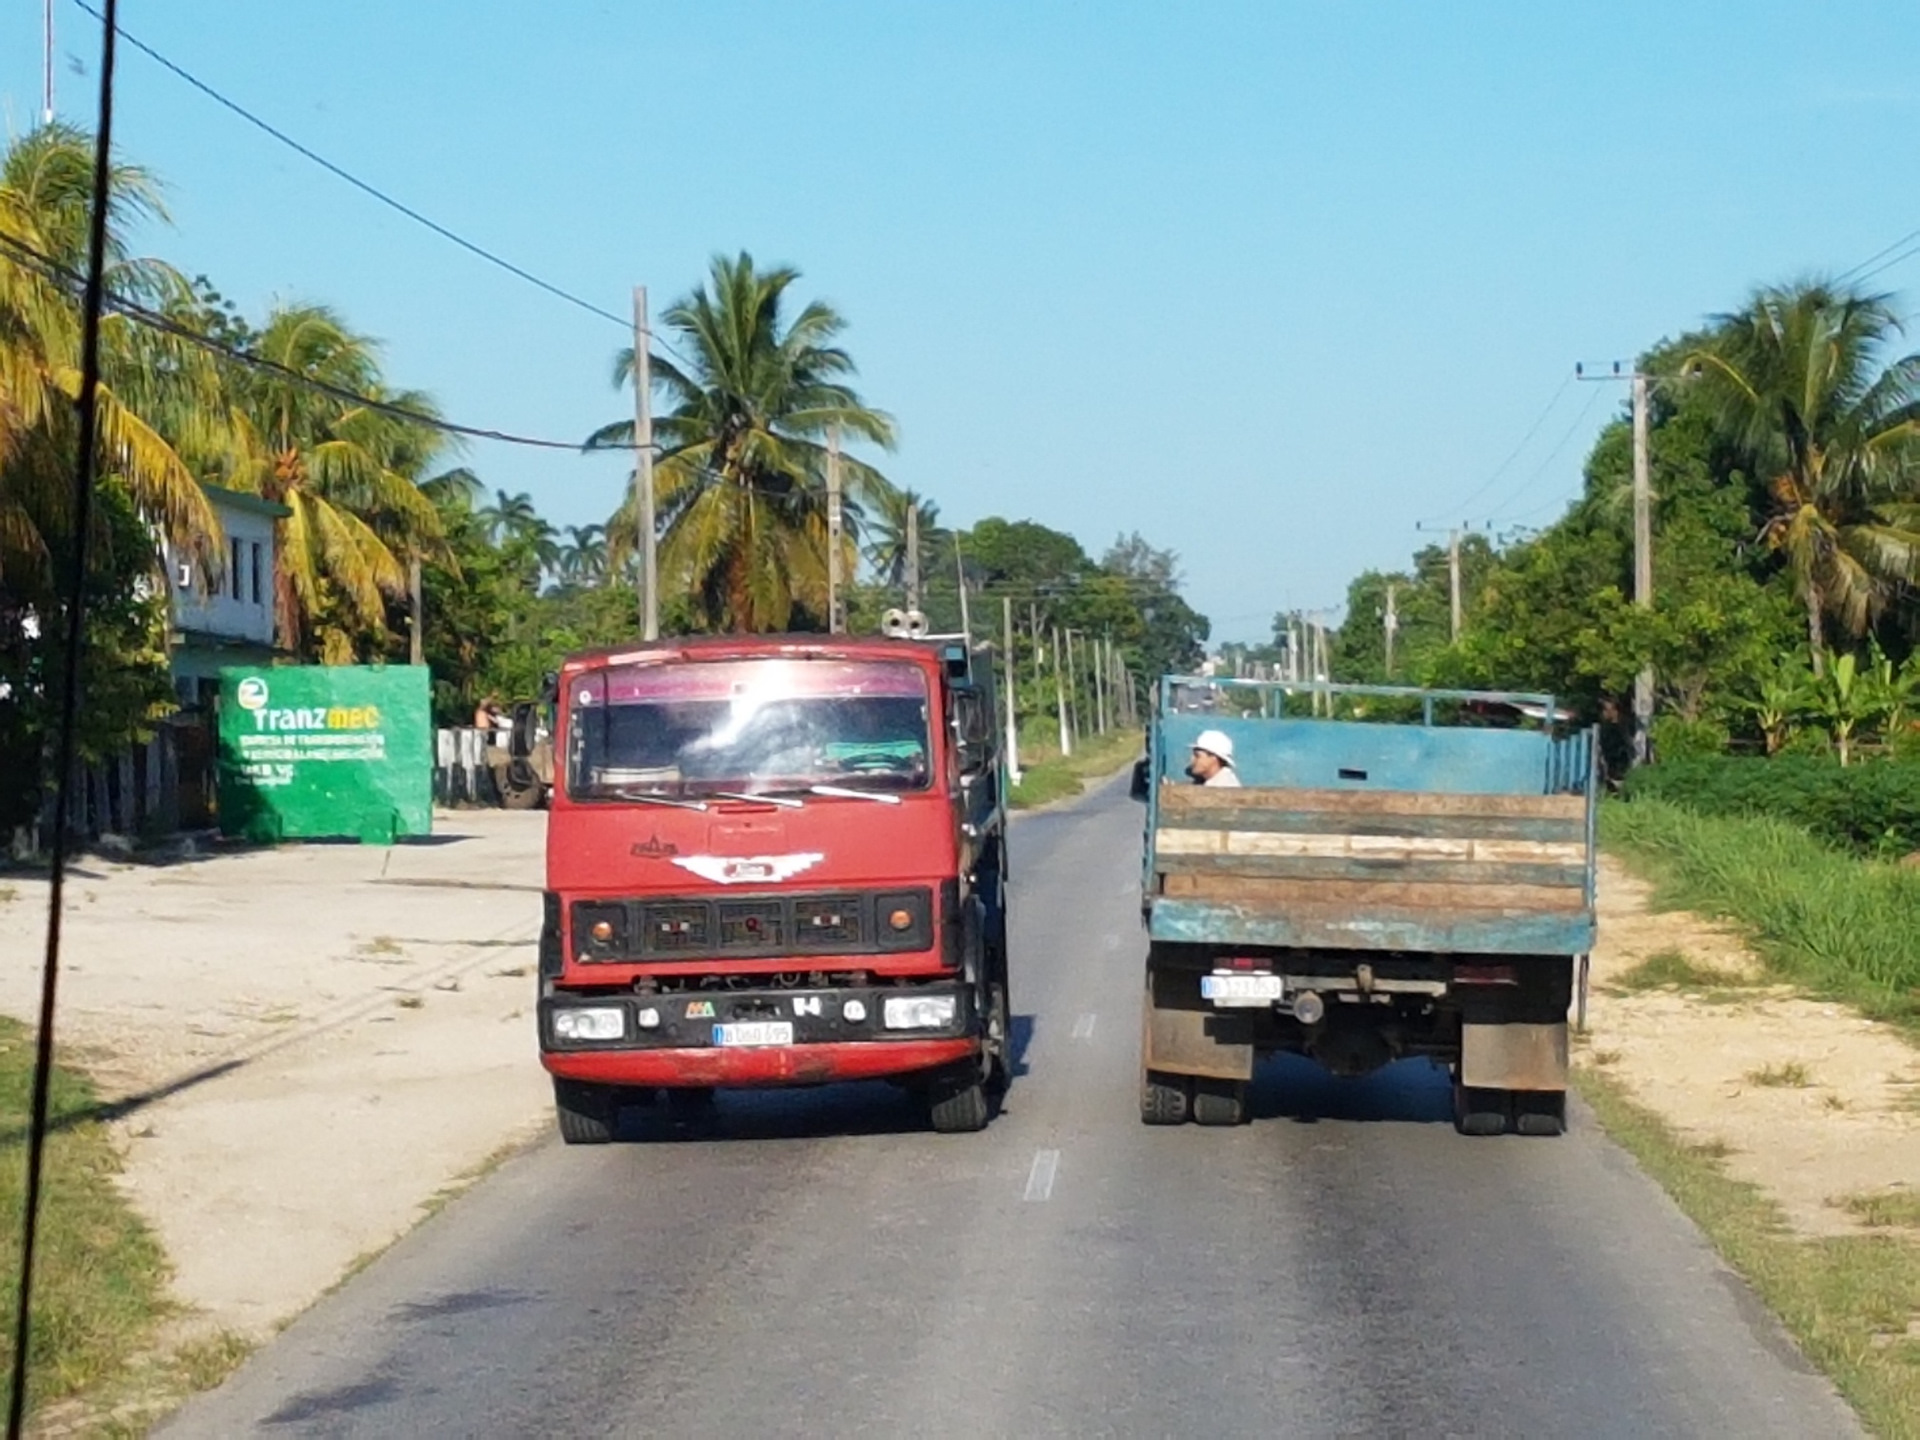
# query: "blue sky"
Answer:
x=1267 y=282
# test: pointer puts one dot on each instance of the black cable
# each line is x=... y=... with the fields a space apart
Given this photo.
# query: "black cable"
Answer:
x=155 y=320
x=1501 y=468
x=88 y=407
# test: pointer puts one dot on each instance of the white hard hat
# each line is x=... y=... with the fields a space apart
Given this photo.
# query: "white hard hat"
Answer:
x=1215 y=742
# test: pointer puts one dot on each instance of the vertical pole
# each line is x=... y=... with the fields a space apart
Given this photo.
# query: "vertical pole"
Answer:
x=836 y=523
x=416 y=615
x=643 y=466
x=1073 y=690
x=1642 y=561
x=913 y=555
x=1099 y=689
x=1060 y=696
x=46 y=70
x=1013 y=708
x=960 y=573
x=1453 y=580
x=1033 y=633
x=1392 y=623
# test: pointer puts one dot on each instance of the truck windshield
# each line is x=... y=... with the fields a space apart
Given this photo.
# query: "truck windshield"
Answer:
x=682 y=729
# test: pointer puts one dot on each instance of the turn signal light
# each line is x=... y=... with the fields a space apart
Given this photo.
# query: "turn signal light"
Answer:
x=901 y=919
x=602 y=931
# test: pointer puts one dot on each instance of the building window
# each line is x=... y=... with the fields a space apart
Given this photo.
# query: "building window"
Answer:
x=256 y=572
x=233 y=568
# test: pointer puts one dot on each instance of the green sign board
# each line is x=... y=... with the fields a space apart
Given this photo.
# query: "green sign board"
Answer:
x=312 y=751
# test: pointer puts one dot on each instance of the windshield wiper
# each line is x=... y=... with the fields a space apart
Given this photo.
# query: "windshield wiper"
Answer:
x=770 y=797
x=843 y=792
x=649 y=798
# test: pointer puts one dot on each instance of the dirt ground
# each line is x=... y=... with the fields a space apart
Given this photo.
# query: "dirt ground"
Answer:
x=1810 y=1101
x=308 y=1043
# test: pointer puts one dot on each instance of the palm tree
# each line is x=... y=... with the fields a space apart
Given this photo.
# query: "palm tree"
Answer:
x=740 y=480
x=583 y=559
x=45 y=198
x=345 y=470
x=887 y=535
x=1799 y=382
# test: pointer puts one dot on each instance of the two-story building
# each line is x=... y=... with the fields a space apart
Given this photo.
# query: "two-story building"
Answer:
x=226 y=616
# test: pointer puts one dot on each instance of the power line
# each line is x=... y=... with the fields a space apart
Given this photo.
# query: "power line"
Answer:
x=1500 y=469
x=155 y=320
x=1552 y=455
x=1907 y=239
x=365 y=187
x=369 y=189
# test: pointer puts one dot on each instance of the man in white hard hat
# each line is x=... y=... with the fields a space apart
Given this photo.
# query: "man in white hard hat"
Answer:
x=1212 y=762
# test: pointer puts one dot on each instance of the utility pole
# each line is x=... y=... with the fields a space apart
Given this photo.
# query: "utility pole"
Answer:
x=913 y=556
x=836 y=523
x=1642 y=540
x=643 y=467
x=416 y=616
x=1453 y=582
x=46 y=70
x=1642 y=562
x=1060 y=697
x=1013 y=708
x=960 y=571
x=1392 y=623
x=1073 y=690
x=1033 y=633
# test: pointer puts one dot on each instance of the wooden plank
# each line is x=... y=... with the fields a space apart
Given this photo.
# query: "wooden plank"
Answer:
x=1361 y=867
x=1183 y=800
x=1326 y=822
x=1337 y=927
x=1367 y=896
x=1374 y=847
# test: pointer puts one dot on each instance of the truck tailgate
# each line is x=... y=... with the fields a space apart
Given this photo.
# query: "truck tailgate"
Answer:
x=1373 y=870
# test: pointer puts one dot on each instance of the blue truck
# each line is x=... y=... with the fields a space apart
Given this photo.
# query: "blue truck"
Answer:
x=1413 y=879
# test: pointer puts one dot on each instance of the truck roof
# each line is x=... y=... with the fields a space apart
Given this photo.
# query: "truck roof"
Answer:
x=740 y=647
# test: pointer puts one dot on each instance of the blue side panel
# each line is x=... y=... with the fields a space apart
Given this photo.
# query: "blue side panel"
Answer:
x=1205 y=922
x=1344 y=755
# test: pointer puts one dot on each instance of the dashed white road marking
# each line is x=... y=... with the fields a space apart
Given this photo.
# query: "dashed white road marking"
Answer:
x=1040 y=1177
x=1083 y=1027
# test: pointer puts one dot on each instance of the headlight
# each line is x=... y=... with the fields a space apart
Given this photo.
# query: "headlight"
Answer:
x=609 y=1023
x=918 y=1012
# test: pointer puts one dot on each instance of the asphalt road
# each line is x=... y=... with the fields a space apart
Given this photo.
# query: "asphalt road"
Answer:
x=813 y=1263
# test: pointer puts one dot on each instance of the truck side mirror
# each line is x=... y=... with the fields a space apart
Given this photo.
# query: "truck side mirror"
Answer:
x=1142 y=779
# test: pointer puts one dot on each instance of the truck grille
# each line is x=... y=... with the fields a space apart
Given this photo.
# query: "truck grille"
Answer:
x=751 y=926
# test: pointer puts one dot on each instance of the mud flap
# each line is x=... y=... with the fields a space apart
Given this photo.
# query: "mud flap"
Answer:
x=1182 y=1035
x=1513 y=1056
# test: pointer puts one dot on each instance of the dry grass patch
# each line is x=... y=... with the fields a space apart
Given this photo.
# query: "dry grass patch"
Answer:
x=1896 y=1208
x=1675 y=970
x=1787 y=1075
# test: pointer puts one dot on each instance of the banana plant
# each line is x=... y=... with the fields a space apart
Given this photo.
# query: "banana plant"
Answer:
x=1847 y=701
x=1783 y=696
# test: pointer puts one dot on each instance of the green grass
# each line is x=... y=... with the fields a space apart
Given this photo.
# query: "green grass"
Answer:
x=1840 y=926
x=100 y=1275
x=1846 y=1300
x=1674 y=970
x=1048 y=776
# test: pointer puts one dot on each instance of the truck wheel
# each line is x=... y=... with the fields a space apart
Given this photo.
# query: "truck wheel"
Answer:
x=957 y=1104
x=1164 y=1099
x=1480 y=1112
x=1540 y=1112
x=998 y=1039
x=586 y=1112
x=1219 y=1102
x=515 y=796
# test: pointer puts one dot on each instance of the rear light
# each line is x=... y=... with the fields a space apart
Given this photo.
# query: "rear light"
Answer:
x=1485 y=975
x=1247 y=962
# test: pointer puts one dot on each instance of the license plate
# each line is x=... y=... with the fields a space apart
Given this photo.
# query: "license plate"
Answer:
x=1242 y=989
x=754 y=1032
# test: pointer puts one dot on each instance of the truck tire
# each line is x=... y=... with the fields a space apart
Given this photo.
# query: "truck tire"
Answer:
x=998 y=1039
x=1164 y=1099
x=1540 y=1112
x=586 y=1112
x=958 y=1104
x=1219 y=1102
x=516 y=796
x=1478 y=1111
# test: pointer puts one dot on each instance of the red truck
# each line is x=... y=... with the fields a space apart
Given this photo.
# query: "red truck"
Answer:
x=775 y=860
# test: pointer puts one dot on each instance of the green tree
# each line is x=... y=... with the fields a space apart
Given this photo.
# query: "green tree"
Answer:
x=1801 y=385
x=887 y=535
x=740 y=482
x=348 y=473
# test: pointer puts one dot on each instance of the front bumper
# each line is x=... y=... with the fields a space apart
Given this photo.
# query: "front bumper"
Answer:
x=826 y=1045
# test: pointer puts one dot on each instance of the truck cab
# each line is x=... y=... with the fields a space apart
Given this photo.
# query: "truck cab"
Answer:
x=775 y=860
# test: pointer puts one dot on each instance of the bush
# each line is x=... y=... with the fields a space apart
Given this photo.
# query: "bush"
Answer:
x=1872 y=808
x=1677 y=739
